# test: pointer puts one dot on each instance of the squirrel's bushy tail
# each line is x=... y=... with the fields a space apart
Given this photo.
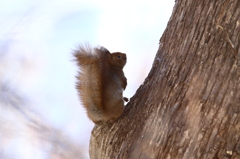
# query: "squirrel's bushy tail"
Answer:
x=89 y=84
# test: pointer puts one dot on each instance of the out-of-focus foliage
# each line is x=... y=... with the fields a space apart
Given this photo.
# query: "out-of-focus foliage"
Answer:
x=23 y=133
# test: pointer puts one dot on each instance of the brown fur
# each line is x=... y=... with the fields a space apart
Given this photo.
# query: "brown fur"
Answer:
x=101 y=82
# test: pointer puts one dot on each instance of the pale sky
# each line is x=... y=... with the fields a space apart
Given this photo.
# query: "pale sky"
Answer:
x=44 y=32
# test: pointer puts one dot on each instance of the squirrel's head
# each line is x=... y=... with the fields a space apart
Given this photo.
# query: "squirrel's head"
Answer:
x=118 y=59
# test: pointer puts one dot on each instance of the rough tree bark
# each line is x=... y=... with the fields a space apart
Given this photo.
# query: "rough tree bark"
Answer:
x=189 y=105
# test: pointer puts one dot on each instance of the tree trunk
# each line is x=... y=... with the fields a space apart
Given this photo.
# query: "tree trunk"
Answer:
x=189 y=105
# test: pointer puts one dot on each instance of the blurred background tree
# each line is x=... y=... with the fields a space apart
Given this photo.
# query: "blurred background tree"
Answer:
x=21 y=127
x=41 y=116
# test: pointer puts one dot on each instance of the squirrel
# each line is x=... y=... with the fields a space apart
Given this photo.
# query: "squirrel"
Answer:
x=101 y=82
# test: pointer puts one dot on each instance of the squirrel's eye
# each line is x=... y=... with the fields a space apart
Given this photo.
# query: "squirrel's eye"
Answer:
x=118 y=56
